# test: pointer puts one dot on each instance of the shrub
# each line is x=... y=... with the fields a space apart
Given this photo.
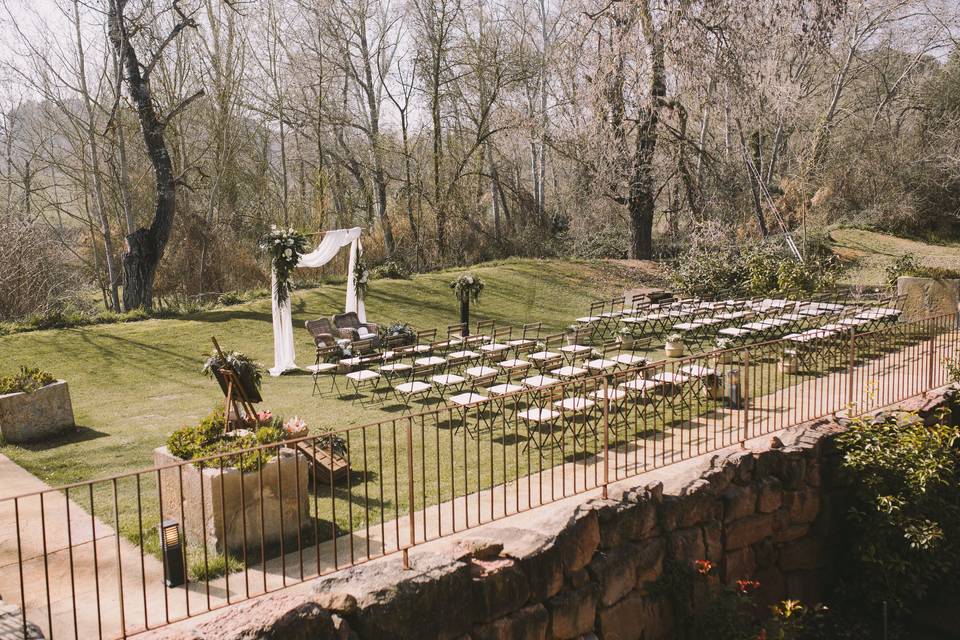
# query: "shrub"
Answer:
x=607 y=241
x=216 y=565
x=904 y=518
x=210 y=438
x=908 y=265
x=27 y=380
x=229 y=299
x=390 y=269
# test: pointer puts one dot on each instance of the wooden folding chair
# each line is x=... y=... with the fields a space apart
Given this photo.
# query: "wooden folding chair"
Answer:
x=416 y=386
x=324 y=368
x=551 y=357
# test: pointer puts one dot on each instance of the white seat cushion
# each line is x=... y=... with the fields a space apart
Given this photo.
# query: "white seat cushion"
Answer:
x=398 y=367
x=601 y=363
x=576 y=348
x=422 y=348
x=671 y=378
x=464 y=399
x=323 y=367
x=463 y=354
x=536 y=414
x=569 y=372
x=504 y=389
x=448 y=379
x=363 y=375
x=641 y=384
x=539 y=381
x=575 y=404
x=413 y=388
x=479 y=372
x=544 y=355
x=588 y=319
x=515 y=364
x=697 y=371
x=630 y=359
x=611 y=394
x=494 y=347
x=432 y=360
x=522 y=342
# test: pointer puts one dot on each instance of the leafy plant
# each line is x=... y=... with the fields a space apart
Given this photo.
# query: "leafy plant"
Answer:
x=908 y=265
x=209 y=438
x=675 y=337
x=245 y=366
x=27 y=380
x=399 y=329
x=284 y=246
x=904 y=518
x=390 y=269
x=361 y=276
x=467 y=287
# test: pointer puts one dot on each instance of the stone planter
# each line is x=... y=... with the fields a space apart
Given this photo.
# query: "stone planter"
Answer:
x=626 y=341
x=789 y=363
x=674 y=349
x=216 y=509
x=927 y=297
x=29 y=417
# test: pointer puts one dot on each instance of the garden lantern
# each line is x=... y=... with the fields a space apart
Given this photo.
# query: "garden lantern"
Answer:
x=733 y=389
x=172 y=546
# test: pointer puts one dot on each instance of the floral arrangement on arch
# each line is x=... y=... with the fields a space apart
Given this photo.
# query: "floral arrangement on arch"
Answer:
x=467 y=287
x=361 y=276
x=284 y=246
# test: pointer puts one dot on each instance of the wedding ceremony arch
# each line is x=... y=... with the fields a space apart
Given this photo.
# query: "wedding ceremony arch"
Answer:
x=283 y=348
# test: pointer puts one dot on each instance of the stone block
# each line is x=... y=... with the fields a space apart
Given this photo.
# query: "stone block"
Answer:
x=232 y=502
x=748 y=531
x=802 y=506
x=686 y=545
x=636 y=617
x=770 y=495
x=579 y=541
x=739 y=502
x=627 y=522
x=499 y=587
x=791 y=533
x=928 y=297
x=572 y=612
x=615 y=572
x=713 y=541
x=544 y=571
x=31 y=417
x=804 y=554
x=739 y=565
x=681 y=512
x=530 y=622
x=650 y=562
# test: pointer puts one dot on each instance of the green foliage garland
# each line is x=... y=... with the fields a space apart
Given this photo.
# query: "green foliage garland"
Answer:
x=284 y=246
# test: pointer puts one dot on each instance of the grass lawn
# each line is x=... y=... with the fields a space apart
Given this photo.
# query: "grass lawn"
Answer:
x=133 y=384
x=871 y=253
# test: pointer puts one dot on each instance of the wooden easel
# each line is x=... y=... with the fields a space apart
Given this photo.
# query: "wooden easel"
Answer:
x=236 y=397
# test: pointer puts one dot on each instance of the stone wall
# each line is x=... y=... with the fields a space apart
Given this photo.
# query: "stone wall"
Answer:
x=584 y=566
x=29 y=417
x=224 y=519
x=928 y=297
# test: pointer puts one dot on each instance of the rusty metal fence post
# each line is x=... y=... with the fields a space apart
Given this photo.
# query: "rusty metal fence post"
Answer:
x=606 y=434
x=930 y=356
x=851 y=368
x=412 y=539
x=745 y=398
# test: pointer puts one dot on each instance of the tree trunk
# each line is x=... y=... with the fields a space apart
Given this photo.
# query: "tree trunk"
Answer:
x=145 y=246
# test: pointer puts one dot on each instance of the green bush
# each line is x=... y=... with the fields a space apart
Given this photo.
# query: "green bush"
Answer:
x=605 y=242
x=27 y=380
x=908 y=265
x=392 y=269
x=713 y=269
x=904 y=516
x=209 y=438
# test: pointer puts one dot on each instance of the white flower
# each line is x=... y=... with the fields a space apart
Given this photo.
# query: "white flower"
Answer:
x=364 y=278
x=288 y=253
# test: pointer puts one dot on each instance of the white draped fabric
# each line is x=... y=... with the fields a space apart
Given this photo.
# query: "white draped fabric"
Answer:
x=284 y=355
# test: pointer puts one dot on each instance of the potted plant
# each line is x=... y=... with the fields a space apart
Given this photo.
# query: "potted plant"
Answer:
x=248 y=371
x=466 y=288
x=724 y=346
x=789 y=361
x=570 y=335
x=33 y=405
x=401 y=329
x=331 y=457
x=625 y=338
x=674 y=346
